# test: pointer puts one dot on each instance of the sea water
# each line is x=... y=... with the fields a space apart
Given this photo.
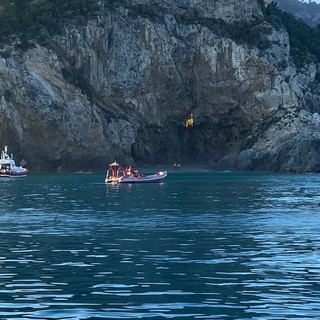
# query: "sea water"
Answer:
x=200 y=245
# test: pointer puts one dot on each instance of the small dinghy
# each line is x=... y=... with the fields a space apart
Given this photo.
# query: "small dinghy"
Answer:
x=118 y=174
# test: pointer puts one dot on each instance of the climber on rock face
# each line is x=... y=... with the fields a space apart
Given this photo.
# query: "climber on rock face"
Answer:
x=189 y=121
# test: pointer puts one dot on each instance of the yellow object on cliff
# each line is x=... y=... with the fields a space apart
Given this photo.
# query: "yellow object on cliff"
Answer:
x=189 y=121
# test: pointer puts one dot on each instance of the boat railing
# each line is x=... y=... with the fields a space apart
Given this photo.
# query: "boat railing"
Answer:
x=4 y=154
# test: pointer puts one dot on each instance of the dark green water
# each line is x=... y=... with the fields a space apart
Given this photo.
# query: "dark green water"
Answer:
x=198 y=246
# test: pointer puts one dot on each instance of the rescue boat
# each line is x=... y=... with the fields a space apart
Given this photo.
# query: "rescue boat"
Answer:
x=118 y=174
x=8 y=166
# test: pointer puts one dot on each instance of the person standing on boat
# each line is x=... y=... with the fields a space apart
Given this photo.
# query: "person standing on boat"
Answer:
x=135 y=173
x=128 y=171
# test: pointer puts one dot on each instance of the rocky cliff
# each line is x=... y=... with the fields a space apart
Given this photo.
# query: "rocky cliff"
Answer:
x=308 y=11
x=120 y=85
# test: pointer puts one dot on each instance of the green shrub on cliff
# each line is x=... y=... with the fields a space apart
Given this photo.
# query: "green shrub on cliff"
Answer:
x=304 y=40
x=30 y=15
x=252 y=33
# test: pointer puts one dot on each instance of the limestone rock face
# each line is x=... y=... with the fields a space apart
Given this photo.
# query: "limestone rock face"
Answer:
x=120 y=86
x=227 y=10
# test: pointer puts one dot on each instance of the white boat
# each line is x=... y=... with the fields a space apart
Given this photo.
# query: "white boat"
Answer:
x=8 y=166
x=118 y=174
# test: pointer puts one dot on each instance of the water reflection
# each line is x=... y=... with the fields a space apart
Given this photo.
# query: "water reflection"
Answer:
x=218 y=246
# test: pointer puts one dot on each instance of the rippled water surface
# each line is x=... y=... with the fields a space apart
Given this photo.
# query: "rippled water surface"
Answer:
x=198 y=246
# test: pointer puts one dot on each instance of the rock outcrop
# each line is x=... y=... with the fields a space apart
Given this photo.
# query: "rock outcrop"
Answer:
x=120 y=85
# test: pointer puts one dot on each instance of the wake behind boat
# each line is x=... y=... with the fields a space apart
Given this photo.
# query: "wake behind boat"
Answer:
x=8 y=166
x=118 y=174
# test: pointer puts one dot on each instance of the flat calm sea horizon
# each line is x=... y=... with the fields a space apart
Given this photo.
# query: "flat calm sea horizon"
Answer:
x=200 y=245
